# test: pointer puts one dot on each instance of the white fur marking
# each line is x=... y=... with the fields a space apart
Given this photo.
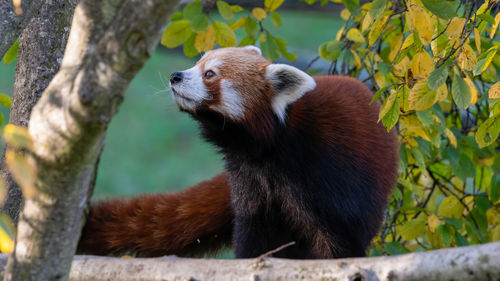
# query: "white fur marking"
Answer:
x=253 y=48
x=231 y=103
x=212 y=64
x=191 y=91
x=276 y=74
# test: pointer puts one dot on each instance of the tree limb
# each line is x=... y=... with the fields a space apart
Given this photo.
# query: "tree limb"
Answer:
x=109 y=42
x=479 y=262
x=12 y=24
x=41 y=49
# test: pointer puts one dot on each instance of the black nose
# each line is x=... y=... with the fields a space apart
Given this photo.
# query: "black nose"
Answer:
x=176 y=77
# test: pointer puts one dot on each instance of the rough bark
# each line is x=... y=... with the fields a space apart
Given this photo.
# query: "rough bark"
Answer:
x=480 y=262
x=12 y=24
x=41 y=49
x=109 y=42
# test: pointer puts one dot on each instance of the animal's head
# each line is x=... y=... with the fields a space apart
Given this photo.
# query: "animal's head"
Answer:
x=237 y=83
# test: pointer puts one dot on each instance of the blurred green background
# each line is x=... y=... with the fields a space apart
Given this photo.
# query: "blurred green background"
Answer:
x=150 y=145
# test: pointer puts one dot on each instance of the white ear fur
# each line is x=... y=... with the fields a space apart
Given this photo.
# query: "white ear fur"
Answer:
x=290 y=84
x=253 y=48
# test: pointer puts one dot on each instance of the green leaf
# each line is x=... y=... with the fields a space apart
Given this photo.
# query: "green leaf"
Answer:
x=484 y=60
x=377 y=8
x=224 y=35
x=446 y=234
x=177 y=16
x=189 y=48
x=272 y=5
x=251 y=28
x=236 y=8
x=437 y=77
x=389 y=113
x=425 y=116
x=225 y=10
x=412 y=229
x=199 y=23
x=245 y=41
x=269 y=47
x=2 y=119
x=460 y=92
x=5 y=100
x=465 y=167
x=11 y=53
x=450 y=207
x=176 y=33
x=284 y=52
x=378 y=93
x=487 y=17
x=352 y=6
x=384 y=68
x=193 y=10
x=460 y=240
x=395 y=248
x=276 y=19
x=330 y=51
x=488 y=131
x=442 y=9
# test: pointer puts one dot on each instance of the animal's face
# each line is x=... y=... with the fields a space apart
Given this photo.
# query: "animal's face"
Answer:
x=236 y=81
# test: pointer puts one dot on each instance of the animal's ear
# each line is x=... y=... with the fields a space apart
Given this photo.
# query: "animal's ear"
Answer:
x=253 y=48
x=290 y=84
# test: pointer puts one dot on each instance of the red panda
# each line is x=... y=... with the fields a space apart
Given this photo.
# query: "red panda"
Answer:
x=305 y=160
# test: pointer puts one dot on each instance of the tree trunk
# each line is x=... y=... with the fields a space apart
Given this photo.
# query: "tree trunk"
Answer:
x=479 y=262
x=41 y=49
x=12 y=24
x=109 y=42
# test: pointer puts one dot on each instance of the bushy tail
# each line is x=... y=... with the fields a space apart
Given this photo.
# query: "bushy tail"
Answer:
x=191 y=222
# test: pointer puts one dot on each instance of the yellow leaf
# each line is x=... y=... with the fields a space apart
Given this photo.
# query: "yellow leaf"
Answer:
x=259 y=13
x=412 y=125
x=421 y=65
x=23 y=171
x=451 y=208
x=6 y=243
x=494 y=92
x=357 y=60
x=401 y=68
x=451 y=137
x=376 y=29
x=239 y=23
x=494 y=27
x=380 y=79
x=339 y=34
x=493 y=216
x=18 y=137
x=467 y=59
x=272 y=5
x=412 y=229
x=387 y=106
x=442 y=93
x=433 y=222
x=455 y=28
x=408 y=42
x=367 y=22
x=345 y=14
x=495 y=233
x=205 y=41
x=421 y=97
x=355 y=35
x=473 y=90
x=395 y=45
x=422 y=22
x=477 y=40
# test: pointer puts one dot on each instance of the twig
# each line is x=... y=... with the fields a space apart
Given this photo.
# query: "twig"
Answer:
x=266 y=254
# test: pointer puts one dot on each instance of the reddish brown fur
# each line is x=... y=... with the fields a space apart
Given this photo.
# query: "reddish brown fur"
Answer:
x=192 y=222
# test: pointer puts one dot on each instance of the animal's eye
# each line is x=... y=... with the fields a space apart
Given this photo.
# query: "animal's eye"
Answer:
x=209 y=74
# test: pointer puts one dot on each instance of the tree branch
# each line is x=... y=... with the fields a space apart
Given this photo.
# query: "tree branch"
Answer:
x=479 y=262
x=109 y=42
x=12 y=24
x=41 y=49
